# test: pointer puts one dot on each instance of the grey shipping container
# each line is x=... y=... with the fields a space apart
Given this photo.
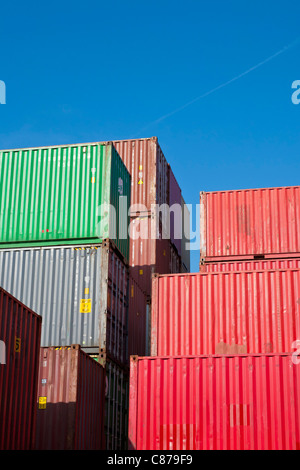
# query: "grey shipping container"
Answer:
x=80 y=292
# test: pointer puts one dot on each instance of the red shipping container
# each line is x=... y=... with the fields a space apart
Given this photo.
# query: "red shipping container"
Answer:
x=20 y=336
x=225 y=312
x=138 y=320
x=250 y=224
x=250 y=265
x=71 y=400
x=236 y=402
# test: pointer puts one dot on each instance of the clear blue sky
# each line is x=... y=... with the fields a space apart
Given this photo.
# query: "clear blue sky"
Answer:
x=94 y=70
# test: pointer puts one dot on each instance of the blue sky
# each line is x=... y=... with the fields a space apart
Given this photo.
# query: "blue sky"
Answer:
x=93 y=71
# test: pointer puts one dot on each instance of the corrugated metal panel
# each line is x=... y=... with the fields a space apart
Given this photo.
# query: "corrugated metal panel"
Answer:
x=185 y=251
x=251 y=265
x=116 y=407
x=175 y=211
x=80 y=291
x=52 y=195
x=137 y=319
x=230 y=312
x=148 y=168
x=20 y=335
x=251 y=222
x=241 y=402
x=148 y=254
x=70 y=401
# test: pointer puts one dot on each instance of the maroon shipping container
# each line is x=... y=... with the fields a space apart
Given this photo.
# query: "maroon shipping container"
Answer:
x=138 y=319
x=149 y=251
x=148 y=168
x=250 y=224
x=71 y=400
x=250 y=265
x=20 y=336
x=175 y=260
x=236 y=402
x=225 y=312
x=175 y=212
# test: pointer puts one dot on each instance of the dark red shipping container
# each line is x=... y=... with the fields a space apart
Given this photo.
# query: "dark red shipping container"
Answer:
x=229 y=402
x=149 y=250
x=138 y=320
x=70 y=401
x=175 y=212
x=250 y=224
x=148 y=167
x=20 y=336
x=225 y=312
x=250 y=265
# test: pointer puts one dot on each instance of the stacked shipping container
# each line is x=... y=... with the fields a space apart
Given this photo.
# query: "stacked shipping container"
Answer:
x=64 y=246
x=242 y=310
x=153 y=185
x=65 y=216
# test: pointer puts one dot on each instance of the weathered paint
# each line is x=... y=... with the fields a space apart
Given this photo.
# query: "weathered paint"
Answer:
x=236 y=402
x=80 y=291
x=225 y=312
x=250 y=223
x=70 y=401
x=250 y=265
x=61 y=195
x=20 y=336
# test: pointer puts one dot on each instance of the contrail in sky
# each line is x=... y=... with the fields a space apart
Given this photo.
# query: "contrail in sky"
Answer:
x=284 y=49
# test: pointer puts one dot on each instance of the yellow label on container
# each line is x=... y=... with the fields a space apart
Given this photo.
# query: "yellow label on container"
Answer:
x=17 y=345
x=141 y=271
x=93 y=180
x=85 y=306
x=42 y=403
x=132 y=291
x=86 y=290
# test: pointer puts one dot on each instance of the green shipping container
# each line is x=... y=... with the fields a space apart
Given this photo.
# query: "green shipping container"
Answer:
x=64 y=195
